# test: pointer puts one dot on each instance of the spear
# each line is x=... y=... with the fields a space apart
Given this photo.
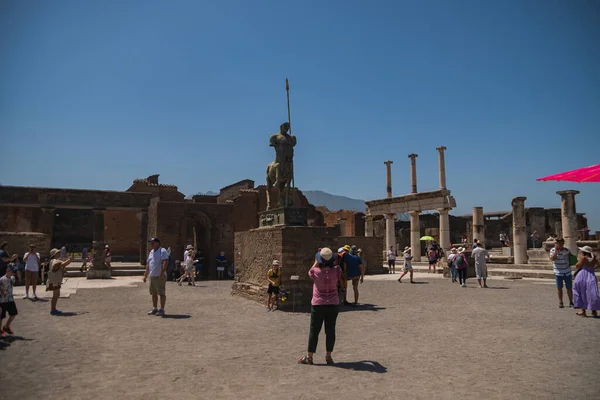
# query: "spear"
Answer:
x=287 y=89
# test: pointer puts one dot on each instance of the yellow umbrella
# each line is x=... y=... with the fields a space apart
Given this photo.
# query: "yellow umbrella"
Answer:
x=428 y=238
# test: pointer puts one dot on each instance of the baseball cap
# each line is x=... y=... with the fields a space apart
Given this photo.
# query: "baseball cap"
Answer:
x=154 y=239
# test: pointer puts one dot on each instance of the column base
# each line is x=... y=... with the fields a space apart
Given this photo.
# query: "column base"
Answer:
x=98 y=274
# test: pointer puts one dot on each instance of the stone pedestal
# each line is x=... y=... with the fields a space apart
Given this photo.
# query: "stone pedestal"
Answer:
x=569 y=218
x=98 y=270
x=295 y=248
x=415 y=235
x=290 y=216
x=519 y=230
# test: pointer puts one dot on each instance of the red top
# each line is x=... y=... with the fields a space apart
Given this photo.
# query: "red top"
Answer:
x=325 y=280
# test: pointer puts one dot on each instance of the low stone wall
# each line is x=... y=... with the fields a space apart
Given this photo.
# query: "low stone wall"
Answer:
x=371 y=247
x=294 y=246
x=18 y=242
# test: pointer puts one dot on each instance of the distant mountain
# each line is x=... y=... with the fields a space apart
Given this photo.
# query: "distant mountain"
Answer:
x=333 y=202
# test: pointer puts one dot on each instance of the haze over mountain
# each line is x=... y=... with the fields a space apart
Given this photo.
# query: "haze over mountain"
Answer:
x=333 y=202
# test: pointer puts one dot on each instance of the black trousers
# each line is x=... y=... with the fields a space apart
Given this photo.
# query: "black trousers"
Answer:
x=462 y=275
x=318 y=316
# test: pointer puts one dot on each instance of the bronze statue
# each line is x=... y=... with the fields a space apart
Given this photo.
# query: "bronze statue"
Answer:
x=280 y=173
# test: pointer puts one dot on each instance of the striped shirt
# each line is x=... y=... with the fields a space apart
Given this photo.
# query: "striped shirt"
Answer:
x=561 y=264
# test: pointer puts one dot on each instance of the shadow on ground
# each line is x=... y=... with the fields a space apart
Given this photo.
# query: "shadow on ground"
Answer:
x=6 y=341
x=70 y=313
x=177 y=316
x=367 y=366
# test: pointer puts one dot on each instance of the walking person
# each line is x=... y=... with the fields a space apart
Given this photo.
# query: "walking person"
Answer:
x=391 y=256
x=107 y=257
x=452 y=264
x=354 y=272
x=32 y=270
x=56 y=273
x=325 y=300
x=156 y=269
x=431 y=258
x=274 y=278
x=559 y=255
x=221 y=263
x=84 y=259
x=407 y=268
x=7 y=302
x=461 y=266
x=188 y=265
x=481 y=255
x=585 y=286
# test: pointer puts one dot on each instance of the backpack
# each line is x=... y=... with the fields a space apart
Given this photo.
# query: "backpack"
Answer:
x=459 y=260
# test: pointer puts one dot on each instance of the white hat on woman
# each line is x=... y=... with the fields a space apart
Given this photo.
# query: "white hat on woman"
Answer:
x=586 y=249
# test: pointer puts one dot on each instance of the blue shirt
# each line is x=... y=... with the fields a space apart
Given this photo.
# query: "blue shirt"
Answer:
x=155 y=259
x=352 y=262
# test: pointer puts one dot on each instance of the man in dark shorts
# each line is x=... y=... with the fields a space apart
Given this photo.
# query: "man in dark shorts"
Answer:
x=274 y=277
x=354 y=271
x=7 y=302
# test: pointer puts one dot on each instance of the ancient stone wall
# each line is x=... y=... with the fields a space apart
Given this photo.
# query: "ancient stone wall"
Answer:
x=123 y=233
x=294 y=247
x=18 y=242
x=354 y=223
x=19 y=219
x=245 y=212
x=231 y=191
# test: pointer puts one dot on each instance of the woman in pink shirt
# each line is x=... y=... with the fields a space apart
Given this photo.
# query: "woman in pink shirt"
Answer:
x=325 y=300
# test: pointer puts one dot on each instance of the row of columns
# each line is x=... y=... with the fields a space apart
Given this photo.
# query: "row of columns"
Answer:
x=568 y=220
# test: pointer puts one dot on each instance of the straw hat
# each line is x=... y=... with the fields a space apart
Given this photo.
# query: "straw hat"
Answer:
x=461 y=249
x=407 y=249
x=324 y=256
x=347 y=247
x=54 y=252
x=586 y=249
x=275 y=263
x=189 y=247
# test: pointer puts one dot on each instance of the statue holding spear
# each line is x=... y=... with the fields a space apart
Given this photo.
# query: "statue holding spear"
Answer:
x=280 y=173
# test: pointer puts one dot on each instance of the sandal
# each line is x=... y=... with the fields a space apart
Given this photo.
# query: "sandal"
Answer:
x=328 y=360
x=582 y=314
x=306 y=360
x=561 y=305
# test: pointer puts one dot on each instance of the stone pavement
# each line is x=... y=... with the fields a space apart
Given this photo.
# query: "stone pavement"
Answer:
x=432 y=340
x=71 y=285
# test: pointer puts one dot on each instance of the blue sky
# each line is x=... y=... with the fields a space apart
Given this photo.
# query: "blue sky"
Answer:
x=96 y=93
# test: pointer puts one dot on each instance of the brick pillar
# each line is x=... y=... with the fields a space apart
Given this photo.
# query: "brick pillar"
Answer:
x=519 y=230
x=144 y=237
x=415 y=235
x=569 y=218
x=98 y=269
x=368 y=224
x=342 y=224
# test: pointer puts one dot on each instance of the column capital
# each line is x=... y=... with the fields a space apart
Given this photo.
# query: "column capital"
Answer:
x=443 y=210
x=565 y=193
x=413 y=156
x=477 y=208
x=518 y=200
x=414 y=212
x=388 y=162
x=441 y=148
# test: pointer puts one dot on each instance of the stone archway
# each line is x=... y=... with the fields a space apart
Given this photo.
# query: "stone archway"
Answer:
x=196 y=230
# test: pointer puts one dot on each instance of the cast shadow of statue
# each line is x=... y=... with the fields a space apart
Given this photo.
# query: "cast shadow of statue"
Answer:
x=365 y=365
x=5 y=342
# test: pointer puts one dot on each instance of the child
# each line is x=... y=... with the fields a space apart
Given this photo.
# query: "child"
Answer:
x=188 y=264
x=7 y=302
x=407 y=265
x=55 y=276
x=274 y=277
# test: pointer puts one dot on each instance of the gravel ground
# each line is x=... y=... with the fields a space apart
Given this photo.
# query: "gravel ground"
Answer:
x=423 y=341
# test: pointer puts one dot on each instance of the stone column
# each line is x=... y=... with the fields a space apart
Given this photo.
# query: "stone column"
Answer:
x=388 y=176
x=390 y=231
x=415 y=235
x=478 y=227
x=144 y=237
x=441 y=166
x=413 y=172
x=368 y=224
x=98 y=269
x=519 y=230
x=445 y=230
x=569 y=218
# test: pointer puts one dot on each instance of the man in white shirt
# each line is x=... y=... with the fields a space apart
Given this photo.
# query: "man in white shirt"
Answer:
x=480 y=255
x=156 y=267
x=32 y=268
x=391 y=256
